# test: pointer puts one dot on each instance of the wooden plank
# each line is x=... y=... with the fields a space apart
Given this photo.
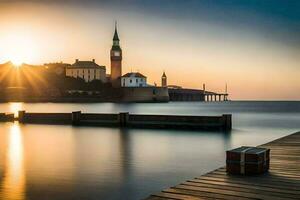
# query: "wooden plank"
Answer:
x=178 y=196
x=159 y=198
x=248 y=183
x=281 y=182
x=269 y=180
x=230 y=192
x=284 y=180
x=241 y=189
x=274 y=172
x=247 y=186
x=204 y=194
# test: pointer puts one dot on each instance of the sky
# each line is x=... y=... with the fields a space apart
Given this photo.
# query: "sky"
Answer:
x=253 y=46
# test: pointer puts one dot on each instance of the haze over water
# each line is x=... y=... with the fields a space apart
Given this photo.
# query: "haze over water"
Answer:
x=65 y=162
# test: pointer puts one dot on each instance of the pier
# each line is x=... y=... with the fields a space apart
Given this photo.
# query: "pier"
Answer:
x=281 y=182
x=125 y=119
x=211 y=96
x=182 y=94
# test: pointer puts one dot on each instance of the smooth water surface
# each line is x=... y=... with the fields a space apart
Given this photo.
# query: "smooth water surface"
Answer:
x=63 y=162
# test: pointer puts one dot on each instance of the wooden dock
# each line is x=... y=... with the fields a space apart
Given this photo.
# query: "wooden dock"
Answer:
x=281 y=182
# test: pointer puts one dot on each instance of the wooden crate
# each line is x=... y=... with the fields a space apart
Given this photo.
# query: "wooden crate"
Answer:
x=247 y=160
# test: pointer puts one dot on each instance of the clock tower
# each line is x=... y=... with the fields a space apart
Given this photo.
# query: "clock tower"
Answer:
x=116 y=60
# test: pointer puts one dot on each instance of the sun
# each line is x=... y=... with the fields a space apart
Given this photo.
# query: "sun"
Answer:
x=16 y=62
x=20 y=48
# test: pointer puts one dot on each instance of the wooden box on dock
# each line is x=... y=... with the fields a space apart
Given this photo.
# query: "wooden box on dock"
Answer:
x=247 y=160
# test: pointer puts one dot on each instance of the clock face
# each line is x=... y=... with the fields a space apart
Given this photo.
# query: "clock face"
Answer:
x=116 y=53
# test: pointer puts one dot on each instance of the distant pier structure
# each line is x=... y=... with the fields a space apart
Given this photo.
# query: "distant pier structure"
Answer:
x=177 y=93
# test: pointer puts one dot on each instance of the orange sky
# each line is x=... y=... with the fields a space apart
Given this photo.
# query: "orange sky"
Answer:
x=254 y=66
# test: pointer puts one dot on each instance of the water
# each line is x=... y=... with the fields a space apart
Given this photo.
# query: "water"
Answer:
x=63 y=162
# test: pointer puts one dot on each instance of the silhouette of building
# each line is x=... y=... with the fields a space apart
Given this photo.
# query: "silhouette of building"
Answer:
x=164 y=80
x=134 y=79
x=58 y=68
x=116 y=60
x=87 y=70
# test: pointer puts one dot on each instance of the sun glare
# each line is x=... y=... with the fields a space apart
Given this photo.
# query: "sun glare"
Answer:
x=20 y=48
x=16 y=62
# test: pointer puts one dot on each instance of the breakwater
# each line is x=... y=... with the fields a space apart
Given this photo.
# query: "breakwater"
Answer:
x=6 y=117
x=77 y=118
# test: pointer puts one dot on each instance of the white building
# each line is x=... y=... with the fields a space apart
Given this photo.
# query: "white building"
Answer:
x=134 y=79
x=87 y=70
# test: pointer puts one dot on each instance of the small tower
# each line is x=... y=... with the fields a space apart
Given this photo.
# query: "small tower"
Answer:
x=164 y=80
x=116 y=60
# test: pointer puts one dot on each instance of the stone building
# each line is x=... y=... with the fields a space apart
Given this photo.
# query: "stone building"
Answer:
x=134 y=79
x=87 y=70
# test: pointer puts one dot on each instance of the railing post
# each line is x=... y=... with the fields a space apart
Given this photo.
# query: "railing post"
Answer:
x=227 y=122
x=76 y=116
x=21 y=116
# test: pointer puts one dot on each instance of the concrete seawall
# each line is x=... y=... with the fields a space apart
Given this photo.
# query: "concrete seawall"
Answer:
x=77 y=118
x=145 y=94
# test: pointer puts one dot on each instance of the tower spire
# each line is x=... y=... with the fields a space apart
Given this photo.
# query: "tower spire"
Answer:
x=164 y=74
x=116 y=37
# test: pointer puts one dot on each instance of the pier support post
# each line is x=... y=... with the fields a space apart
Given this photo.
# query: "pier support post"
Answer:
x=21 y=116
x=123 y=118
x=76 y=117
x=227 y=122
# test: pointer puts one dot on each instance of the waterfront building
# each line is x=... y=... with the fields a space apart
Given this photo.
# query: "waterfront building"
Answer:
x=134 y=79
x=164 y=80
x=116 y=61
x=87 y=70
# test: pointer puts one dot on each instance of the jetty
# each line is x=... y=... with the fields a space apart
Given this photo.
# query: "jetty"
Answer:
x=184 y=94
x=281 y=182
x=124 y=119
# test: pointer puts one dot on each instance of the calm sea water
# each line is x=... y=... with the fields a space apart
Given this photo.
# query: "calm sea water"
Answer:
x=63 y=162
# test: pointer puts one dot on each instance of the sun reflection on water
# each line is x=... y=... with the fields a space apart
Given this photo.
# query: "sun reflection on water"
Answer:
x=13 y=185
x=15 y=107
